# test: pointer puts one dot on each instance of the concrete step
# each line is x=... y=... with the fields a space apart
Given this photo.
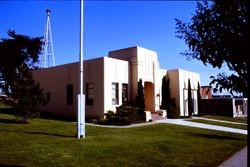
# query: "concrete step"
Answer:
x=156 y=116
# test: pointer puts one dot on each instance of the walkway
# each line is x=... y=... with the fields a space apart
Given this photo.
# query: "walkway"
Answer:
x=202 y=125
x=216 y=120
x=239 y=159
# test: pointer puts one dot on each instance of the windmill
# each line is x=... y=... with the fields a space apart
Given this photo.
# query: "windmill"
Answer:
x=47 y=58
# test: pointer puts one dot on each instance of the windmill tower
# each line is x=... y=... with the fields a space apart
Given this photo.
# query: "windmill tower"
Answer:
x=47 y=58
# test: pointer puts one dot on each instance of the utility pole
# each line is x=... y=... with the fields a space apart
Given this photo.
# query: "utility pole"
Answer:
x=48 y=51
x=81 y=96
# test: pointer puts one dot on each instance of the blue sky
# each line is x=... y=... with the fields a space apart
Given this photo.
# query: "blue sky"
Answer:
x=108 y=25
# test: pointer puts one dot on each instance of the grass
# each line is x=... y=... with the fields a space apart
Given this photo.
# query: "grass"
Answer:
x=230 y=125
x=53 y=143
x=3 y=106
x=224 y=118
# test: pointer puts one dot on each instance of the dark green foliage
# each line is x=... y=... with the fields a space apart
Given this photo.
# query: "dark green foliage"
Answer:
x=18 y=57
x=199 y=99
x=165 y=102
x=168 y=103
x=219 y=35
x=140 y=100
x=109 y=114
x=190 y=100
x=222 y=81
x=124 y=115
x=172 y=112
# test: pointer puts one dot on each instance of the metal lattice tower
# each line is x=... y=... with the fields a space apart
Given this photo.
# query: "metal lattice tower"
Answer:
x=47 y=58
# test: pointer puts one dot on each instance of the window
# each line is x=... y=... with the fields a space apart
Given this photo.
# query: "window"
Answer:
x=89 y=93
x=124 y=93
x=115 y=94
x=69 y=94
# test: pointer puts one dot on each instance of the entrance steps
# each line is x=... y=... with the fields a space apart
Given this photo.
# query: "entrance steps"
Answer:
x=154 y=116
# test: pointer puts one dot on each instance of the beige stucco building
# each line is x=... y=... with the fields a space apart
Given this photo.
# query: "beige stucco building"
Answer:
x=111 y=80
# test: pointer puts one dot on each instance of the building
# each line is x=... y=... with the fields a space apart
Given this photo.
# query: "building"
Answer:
x=110 y=81
x=206 y=92
x=222 y=104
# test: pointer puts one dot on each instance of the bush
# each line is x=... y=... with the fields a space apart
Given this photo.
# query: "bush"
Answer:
x=125 y=115
x=173 y=113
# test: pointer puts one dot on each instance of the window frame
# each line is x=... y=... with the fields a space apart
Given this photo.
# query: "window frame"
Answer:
x=90 y=93
x=124 y=92
x=115 y=93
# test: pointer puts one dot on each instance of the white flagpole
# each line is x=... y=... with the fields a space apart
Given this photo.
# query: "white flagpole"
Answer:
x=81 y=97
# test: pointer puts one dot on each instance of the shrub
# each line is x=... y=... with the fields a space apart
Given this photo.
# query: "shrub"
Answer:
x=125 y=115
x=109 y=114
x=173 y=113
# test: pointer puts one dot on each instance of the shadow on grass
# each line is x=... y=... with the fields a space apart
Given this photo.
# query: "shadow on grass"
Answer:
x=43 y=115
x=37 y=133
x=4 y=165
x=214 y=136
x=9 y=121
x=8 y=111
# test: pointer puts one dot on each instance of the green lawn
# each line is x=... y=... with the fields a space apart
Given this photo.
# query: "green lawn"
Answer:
x=230 y=125
x=237 y=119
x=3 y=105
x=53 y=143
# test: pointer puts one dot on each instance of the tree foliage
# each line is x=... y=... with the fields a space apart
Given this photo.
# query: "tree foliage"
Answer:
x=190 y=100
x=165 y=98
x=199 y=98
x=219 y=35
x=140 y=99
x=167 y=102
x=18 y=57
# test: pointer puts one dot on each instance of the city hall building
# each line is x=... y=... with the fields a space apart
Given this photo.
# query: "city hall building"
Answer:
x=109 y=81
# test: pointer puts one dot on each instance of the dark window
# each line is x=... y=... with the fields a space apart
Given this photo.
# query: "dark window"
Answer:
x=124 y=93
x=69 y=94
x=115 y=94
x=89 y=93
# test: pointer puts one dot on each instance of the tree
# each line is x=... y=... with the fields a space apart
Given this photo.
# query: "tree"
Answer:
x=140 y=99
x=165 y=102
x=190 y=100
x=18 y=57
x=219 y=35
x=199 y=98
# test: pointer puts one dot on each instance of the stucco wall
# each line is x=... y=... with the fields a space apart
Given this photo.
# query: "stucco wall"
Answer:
x=115 y=71
x=143 y=64
x=125 y=66
x=159 y=74
x=179 y=86
x=54 y=81
x=94 y=73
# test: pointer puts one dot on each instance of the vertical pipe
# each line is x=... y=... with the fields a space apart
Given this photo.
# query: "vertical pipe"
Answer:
x=81 y=98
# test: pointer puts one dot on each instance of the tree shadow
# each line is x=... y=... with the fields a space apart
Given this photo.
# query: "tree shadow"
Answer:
x=38 y=133
x=9 y=111
x=5 y=165
x=9 y=121
x=214 y=136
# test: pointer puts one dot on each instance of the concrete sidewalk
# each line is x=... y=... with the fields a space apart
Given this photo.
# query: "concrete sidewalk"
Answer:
x=202 y=125
x=239 y=159
x=216 y=120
